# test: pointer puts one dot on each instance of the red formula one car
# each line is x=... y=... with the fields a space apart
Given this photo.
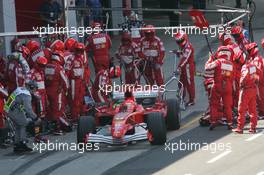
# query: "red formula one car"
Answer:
x=118 y=123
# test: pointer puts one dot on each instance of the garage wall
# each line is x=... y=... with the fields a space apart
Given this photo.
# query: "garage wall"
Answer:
x=7 y=24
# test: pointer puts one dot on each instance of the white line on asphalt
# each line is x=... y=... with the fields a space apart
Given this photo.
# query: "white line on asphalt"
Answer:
x=261 y=173
x=219 y=156
x=20 y=157
x=254 y=136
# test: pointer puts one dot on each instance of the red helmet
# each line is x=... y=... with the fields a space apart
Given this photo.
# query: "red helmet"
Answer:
x=47 y=53
x=79 y=47
x=96 y=24
x=115 y=72
x=262 y=43
x=225 y=52
x=225 y=39
x=57 y=45
x=181 y=38
x=237 y=32
x=24 y=50
x=149 y=29
x=69 y=44
x=220 y=36
x=252 y=49
x=126 y=37
x=58 y=56
x=33 y=45
x=41 y=61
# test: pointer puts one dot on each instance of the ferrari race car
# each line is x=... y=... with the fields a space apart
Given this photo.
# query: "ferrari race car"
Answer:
x=116 y=123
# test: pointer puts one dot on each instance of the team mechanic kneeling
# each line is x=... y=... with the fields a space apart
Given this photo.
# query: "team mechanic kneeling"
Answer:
x=19 y=109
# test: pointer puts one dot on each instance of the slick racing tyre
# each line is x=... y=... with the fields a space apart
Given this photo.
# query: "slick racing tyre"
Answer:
x=156 y=129
x=173 y=118
x=86 y=124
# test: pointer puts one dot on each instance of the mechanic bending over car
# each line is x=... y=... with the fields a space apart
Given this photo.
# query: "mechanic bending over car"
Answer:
x=102 y=82
x=18 y=107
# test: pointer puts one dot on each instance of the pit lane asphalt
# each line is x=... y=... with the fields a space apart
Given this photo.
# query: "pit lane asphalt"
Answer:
x=246 y=157
x=236 y=154
x=70 y=162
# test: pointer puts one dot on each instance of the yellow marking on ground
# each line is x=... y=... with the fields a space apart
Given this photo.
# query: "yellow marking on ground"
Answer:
x=191 y=122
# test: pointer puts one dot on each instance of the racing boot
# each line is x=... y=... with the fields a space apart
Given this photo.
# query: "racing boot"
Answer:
x=252 y=130
x=64 y=124
x=40 y=139
x=204 y=121
x=190 y=103
x=229 y=126
x=261 y=115
x=22 y=147
x=238 y=130
x=56 y=128
x=58 y=132
x=212 y=126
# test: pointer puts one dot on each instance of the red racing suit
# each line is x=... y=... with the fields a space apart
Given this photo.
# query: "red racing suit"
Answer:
x=77 y=89
x=99 y=45
x=57 y=85
x=87 y=72
x=153 y=52
x=3 y=95
x=208 y=80
x=187 y=70
x=68 y=57
x=238 y=62
x=208 y=83
x=37 y=74
x=102 y=80
x=242 y=44
x=48 y=53
x=222 y=88
x=247 y=96
x=14 y=75
x=127 y=54
x=33 y=57
x=259 y=62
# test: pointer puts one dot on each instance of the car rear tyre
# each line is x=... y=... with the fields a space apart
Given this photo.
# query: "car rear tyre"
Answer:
x=173 y=118
x=156 y=128
x=86 y=124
